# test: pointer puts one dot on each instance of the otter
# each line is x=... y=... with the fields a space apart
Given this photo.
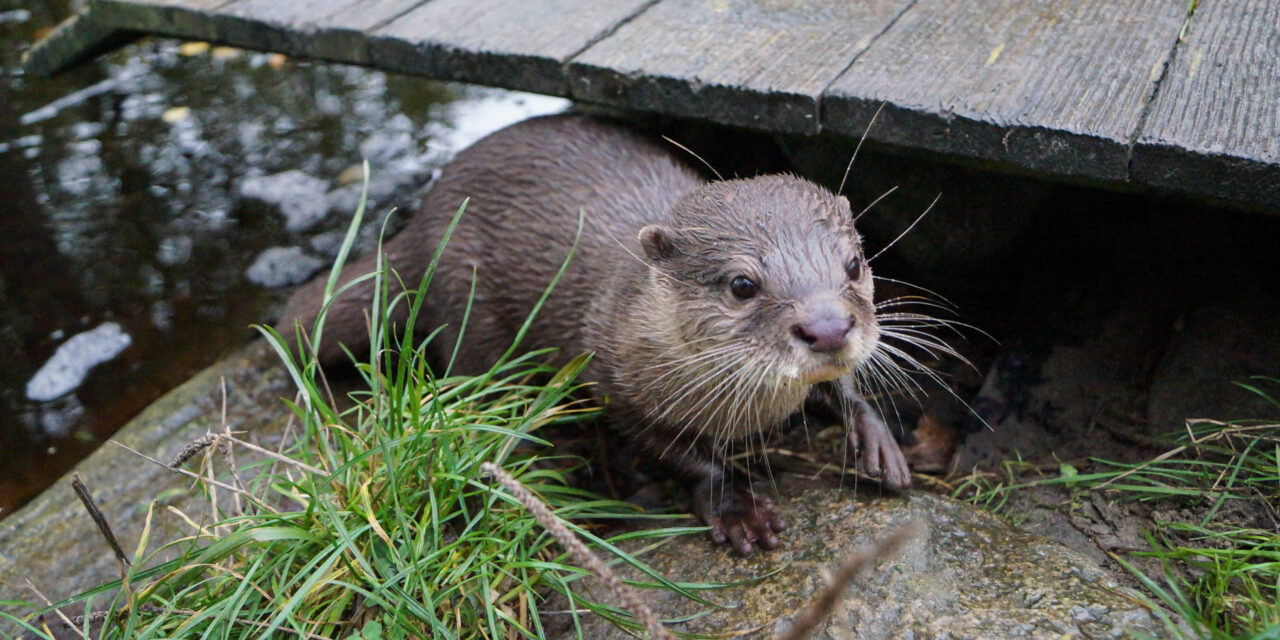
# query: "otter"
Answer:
x=715 y=310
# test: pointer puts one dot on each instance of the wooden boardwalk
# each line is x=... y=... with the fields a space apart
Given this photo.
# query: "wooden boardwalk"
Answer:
x=1167 y=93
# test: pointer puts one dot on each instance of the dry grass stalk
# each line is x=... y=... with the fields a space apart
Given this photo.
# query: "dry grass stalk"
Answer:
x=625 y=595
x=821 y=606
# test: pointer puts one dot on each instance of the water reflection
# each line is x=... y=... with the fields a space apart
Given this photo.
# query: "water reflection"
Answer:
x=139 y=191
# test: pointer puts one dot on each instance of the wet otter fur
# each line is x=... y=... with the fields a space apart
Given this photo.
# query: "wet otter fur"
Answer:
x=715 y=310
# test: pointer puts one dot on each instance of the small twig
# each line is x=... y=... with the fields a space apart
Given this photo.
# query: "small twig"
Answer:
x=625 y=595
x=1160 y=458
x=31 y=585
x=821 y=606
x=228 y=455
x=276 y=456
x=201 y=478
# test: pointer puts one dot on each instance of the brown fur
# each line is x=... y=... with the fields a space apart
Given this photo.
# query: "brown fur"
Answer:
x=688 y=367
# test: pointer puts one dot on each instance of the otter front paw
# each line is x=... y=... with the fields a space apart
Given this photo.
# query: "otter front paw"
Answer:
x=741 y=518
x=879 y=455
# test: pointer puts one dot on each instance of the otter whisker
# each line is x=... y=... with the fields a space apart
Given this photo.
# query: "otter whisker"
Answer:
x=858 y=148
x=872 y=376
x=712 y=418
x=923 y=341
x=921 y=327
x=902 y=356
x=907 y=230
x=697 y=386
x=916 y=287
x=935 y=377
x=900 y=301
x=874 y=203
x=930 y=345
x=687 y=363
x=730 y=362
x=700 y=158
x=684 y=363
x=893 y=376
x=905 y=317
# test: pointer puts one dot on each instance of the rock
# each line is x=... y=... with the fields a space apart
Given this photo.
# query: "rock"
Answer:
x=282 y=267
x=71 y=363
x=299 y=197
x=969 y=575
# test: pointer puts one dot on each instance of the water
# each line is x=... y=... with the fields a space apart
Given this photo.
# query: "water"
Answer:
x=158 y=202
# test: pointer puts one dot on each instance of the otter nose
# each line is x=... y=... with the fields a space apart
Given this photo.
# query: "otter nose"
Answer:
x=825 y=335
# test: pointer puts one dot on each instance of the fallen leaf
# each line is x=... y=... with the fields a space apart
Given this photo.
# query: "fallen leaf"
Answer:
x=193 y=48
x=934 y=446
x=351 y=175
x=175 y=114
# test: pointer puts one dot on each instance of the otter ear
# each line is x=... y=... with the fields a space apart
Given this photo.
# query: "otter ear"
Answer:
x=659 y=242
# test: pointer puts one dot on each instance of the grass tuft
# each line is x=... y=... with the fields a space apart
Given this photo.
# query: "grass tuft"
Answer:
x=375 y=521
x=1219 y=579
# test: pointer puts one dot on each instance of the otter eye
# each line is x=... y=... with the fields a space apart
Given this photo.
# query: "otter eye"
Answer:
x=744 y=287
x=854 y=269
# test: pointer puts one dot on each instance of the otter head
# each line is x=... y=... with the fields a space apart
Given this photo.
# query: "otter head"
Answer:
x=767 y=274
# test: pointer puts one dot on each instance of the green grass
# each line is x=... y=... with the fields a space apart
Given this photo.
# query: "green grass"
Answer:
x=1220 y=579
x=375 y=521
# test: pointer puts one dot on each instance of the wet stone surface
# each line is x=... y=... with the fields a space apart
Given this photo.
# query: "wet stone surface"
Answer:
x=964 y=574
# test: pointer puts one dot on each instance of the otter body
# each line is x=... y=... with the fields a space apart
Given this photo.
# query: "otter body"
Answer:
x=715 y=310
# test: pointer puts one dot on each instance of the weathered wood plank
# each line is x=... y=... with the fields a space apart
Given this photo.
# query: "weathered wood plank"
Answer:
x=79 y=38
x=1064 y=88
x=192 y=19
x=1214 y=127
x=518 y=46
x=741 y=62
x=325 y=29
x=1053 y=86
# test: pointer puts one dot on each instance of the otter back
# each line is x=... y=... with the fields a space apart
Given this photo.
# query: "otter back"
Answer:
x=526 y=186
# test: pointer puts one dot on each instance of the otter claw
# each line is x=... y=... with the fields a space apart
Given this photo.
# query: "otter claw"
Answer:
x=741 y=519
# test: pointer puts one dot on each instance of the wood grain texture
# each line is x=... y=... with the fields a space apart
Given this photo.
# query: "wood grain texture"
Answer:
x=1080 y=89
x=515 y=45
x=1053 y=86
x=326 y=29
x=762 y=64
x=1214 y=127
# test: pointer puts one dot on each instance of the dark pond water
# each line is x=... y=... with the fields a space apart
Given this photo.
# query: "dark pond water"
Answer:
x=154 y=204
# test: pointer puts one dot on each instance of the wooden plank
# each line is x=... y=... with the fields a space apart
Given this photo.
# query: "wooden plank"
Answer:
x=327 y=29
x=77 y=39
x=324 y=29
x=514 y=45
x=1053 y=86
x=191 y=19
x=740 y=62
x=1214 y=127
